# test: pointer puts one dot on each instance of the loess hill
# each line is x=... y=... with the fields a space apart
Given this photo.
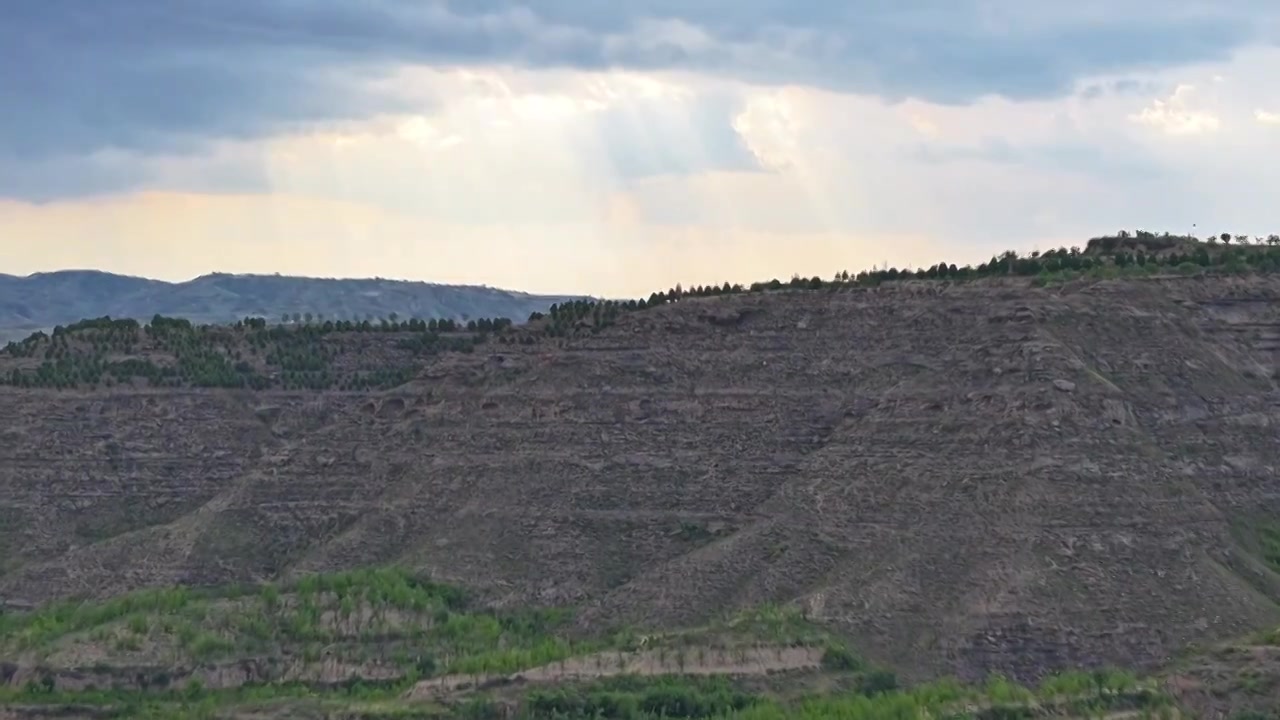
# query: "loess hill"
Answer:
x=958 y=477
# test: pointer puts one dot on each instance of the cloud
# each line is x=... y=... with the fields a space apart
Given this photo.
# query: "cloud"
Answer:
x=998 y=173
x=1267 y=118
x=509 y=180
x=1113 y=164
x=1177 y=115
x=516 y=147
x=1116 y=86
x=526 y=162
x=616 y=127
x=155 y=76
x=222 y=166
x=645 y=137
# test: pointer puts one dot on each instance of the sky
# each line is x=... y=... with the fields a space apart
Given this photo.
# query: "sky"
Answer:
x=616 y=148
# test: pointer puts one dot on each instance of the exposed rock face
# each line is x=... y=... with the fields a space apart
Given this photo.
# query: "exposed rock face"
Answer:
x=966 y=478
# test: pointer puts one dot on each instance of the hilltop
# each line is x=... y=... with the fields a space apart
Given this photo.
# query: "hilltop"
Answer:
x=44 y=300
x=1039 y=464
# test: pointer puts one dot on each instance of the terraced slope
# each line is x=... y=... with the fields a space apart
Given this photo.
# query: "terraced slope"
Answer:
x=958 y=478
x=384 y=643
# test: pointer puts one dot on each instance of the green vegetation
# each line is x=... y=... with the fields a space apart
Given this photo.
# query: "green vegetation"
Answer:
x=388 y=627
x=385 y=625
x=391 y=629
x=354 y=699
x=1267 y=535
x=630 y=698
x=774 y=625
x=999 y=699
x=1140 y=253
x=171 y=352
x=306 y=352
x=1072 y=695
x=386 y=616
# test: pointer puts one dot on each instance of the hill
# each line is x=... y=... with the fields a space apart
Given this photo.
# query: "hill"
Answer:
x=44 y=300
x=1036 y=465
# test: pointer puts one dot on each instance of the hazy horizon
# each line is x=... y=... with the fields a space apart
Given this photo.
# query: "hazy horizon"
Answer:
x=569 y=147
x=210 y=273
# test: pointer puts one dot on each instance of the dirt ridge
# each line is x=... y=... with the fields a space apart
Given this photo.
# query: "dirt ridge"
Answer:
x=964 y=478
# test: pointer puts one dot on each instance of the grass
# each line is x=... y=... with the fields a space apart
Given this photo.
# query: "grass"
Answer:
x=636 y=698
x=774 y=625
x=1267 y=535
x=387 y=615
x=628 y=698
x=356 y=615
x=390 y=618
x=1261 y=537
x=195 y=701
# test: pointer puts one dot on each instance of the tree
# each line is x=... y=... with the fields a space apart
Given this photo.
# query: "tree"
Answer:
x=1225 y=238
x=297 y=318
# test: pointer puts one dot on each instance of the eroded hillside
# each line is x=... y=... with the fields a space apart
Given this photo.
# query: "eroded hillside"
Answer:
x=956 y=477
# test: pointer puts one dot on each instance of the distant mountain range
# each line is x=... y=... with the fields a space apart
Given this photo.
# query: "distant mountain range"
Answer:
x=44 y=300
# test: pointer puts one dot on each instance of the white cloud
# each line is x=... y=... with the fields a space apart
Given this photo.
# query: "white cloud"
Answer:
x=1267 y=118
x=620 y=182
x=924 y=126
x=1176 y=115
x=252 y=69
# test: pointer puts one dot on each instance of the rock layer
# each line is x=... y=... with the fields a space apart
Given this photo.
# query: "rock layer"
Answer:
x=963 y=478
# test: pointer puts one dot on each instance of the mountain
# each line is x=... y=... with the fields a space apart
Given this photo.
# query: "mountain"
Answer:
x=975 y=468
x=44 y=300
x=1000 y=474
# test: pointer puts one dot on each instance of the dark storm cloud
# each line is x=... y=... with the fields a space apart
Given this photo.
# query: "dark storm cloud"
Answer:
x=166 y=75
x=77 y=76
x=61 y=176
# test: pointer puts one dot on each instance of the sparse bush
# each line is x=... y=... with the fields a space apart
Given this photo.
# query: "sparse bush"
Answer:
x=297 y=356
x=878 y=681
x=840 y=658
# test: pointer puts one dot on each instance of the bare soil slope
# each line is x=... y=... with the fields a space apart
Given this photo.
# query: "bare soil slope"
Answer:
x=962 y=478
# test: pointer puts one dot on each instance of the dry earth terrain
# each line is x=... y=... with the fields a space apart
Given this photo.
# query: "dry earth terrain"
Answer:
x=961 y=477
x=957 y=478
